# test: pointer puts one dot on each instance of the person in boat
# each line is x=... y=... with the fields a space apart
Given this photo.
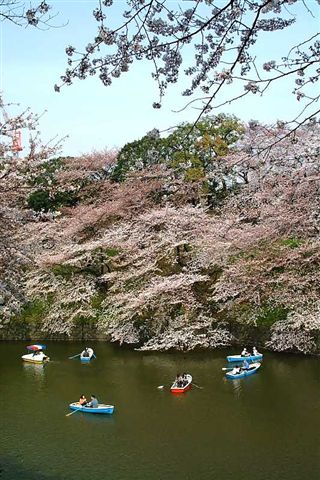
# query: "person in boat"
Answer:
x=93 y=402
x=246 y=365
x=245 y=353
x=236 y=370
x=255 y=351
x=184 y=379
x=86 y=352
x=179 y=380
x=83 y=400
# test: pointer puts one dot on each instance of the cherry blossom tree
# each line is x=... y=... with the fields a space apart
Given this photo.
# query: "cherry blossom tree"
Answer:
x=222 y=36
x=138 y=262
x=15 y=175
x=298 y=333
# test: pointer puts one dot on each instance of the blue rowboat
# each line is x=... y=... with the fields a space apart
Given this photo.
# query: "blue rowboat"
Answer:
x=239 y=372
x=101 y=408
x=87 y=355
x=249 y=358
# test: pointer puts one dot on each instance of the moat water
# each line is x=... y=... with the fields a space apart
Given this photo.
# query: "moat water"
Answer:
x=263 y=427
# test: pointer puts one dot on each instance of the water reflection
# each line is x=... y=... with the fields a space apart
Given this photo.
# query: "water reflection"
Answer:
x=236 y=385
x=94 y=419
x=34 y=371
x=172 y=361
x=86 y=364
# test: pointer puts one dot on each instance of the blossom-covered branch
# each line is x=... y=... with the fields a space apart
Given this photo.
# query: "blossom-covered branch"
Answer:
x=21 y=14
x=222 y=36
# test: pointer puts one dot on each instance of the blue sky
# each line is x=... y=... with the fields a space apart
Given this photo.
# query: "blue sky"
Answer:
x=96 y=117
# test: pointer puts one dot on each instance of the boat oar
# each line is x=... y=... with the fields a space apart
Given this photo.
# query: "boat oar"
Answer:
x=74 y=356
x=160 y=387
x=225 y=368
x=197 y=386
x=74 y=411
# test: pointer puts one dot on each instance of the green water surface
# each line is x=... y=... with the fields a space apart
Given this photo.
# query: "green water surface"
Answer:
x=264 y=427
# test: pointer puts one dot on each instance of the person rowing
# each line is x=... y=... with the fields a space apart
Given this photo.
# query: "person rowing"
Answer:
x=236 y=370
x=82 y=400
x=184 y=379
x=255 y=351
x=179 y=380
x=86 y=353
x=245 y=353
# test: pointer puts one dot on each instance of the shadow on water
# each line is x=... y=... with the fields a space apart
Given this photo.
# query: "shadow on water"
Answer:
x=95 y=419
x=11 y=469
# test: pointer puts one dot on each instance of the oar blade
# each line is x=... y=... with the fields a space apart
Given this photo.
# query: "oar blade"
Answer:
x=197 y=386
x=74 y=411
x=74 y=356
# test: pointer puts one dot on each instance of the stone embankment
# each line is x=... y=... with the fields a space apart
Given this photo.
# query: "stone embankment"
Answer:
x=298 y=333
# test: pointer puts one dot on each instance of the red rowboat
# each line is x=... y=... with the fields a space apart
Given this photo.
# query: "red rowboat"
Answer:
x=181 y=386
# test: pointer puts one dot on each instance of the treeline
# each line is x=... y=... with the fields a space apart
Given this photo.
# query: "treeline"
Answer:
x=198 y=238
x=190 y=154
